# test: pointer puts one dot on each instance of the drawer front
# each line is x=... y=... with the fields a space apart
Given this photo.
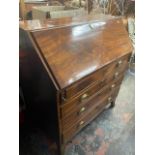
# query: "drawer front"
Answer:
x=100 y=77
x=70 y=107
x=79 y=111
x=92 y=113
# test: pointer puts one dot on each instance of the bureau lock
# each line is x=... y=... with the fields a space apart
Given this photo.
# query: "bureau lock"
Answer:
x=63 y=96
x=102 y=82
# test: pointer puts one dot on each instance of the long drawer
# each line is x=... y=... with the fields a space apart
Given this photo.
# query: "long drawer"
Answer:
x=100 y=102
x=95 y=81
x=81 y=107
x=79 y=111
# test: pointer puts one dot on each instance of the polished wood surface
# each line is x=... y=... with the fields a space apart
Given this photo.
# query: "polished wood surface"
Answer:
x=88 y=47
x=99 y=78
x=71 y=70
x=78 y=103
x=101 y=100
x=80 y=110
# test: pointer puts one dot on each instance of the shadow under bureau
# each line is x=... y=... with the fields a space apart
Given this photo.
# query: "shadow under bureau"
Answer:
x=71 y=70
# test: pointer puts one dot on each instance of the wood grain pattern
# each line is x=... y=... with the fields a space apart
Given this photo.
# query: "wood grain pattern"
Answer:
x=74 y=107
x=75 y=113
x=73 y=67
x=68 y=47
x=101 y=101
x=98 y=78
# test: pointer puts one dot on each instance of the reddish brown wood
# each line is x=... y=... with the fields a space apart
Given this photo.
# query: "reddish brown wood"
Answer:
x=101 y=101
x=75 y=107
x=105 y=42
x=75 y=66
x=99 y=78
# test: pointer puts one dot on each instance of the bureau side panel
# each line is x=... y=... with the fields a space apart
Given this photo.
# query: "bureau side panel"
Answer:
x=39 y=90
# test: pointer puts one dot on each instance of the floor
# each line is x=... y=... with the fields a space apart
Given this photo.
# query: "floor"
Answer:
x=111 y=133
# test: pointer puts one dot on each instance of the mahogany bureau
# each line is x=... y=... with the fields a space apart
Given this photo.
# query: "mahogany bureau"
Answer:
x=72 y=69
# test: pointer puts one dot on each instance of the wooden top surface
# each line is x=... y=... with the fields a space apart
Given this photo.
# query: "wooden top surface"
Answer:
x=73 y=52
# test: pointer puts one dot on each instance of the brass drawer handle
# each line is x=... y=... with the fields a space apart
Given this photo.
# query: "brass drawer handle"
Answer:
x=113 y=86
x=81 y=123
x=109 y=99
x=81 y=110
x=119 y=63
x=84 y=96
x=116 y=75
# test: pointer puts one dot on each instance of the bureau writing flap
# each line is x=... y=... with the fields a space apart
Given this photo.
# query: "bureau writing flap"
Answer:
x=74 y=50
